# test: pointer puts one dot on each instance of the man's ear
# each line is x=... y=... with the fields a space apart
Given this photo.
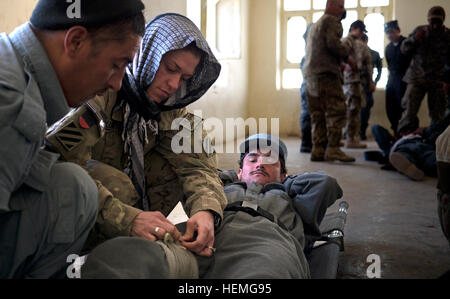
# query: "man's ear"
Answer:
x=240 y=174
x=283 y=176
x=76 y=40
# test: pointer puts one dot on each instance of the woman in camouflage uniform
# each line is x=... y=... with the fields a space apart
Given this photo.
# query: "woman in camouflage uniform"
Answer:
x=139 y=176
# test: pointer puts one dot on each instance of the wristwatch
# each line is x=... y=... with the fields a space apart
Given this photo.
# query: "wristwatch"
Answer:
x=217 y=218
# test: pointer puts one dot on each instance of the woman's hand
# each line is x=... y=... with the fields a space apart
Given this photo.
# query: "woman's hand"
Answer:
x=153 y=226
x=202 y=223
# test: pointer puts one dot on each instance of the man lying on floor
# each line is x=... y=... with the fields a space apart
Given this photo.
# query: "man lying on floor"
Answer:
x=270 y=221
x=414 y=154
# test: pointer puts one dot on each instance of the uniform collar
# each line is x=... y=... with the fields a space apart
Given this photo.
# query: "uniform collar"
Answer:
x=37 y=63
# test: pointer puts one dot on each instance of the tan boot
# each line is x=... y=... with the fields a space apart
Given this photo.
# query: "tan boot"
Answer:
x=318 y=154
x=335 y=153
x=403 y=165
x=354 y=143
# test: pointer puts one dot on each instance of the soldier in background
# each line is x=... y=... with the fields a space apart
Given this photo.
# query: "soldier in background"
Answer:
x=47 y=65
x=352 y=82
x=324 y=54
x=377 y=63
x=305 y=116
x=398 y=64
x=429 y=46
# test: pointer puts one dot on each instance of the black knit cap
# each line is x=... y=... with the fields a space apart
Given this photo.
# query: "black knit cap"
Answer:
x=392 y=25
x=60 y=14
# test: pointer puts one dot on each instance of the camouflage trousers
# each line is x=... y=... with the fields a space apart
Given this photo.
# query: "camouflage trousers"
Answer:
x=163 y=188
x=354 y=101
x=326 y=103
x=437 y=102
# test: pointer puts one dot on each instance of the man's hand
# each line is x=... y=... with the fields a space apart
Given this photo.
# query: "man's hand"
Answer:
x=420 y=34
x=153 y=226
x=202 y=223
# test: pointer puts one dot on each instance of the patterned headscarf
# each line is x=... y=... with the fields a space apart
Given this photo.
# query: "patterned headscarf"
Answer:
x=165 y=33
x=170 y=32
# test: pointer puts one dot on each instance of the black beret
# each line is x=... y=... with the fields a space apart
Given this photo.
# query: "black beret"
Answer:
x=359 y=24
x=392 y=25
x=436 y=12
x=62 y=14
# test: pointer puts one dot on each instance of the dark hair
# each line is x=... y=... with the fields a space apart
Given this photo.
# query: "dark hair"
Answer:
x=365 y=37
x=119 y=30
x=283 y=169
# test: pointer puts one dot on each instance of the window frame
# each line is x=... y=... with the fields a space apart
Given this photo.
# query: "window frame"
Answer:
x=285 y=15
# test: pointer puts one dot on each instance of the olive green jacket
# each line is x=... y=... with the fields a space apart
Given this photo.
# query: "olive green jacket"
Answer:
x=196 y=173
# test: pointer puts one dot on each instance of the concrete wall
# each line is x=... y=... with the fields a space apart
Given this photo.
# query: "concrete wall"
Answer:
x=156 y=7
x=14 y=13
x=228 y=98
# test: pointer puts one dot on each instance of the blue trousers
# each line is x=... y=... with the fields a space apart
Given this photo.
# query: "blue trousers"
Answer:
x=419 y=153
x=305 y=118
x=365 y=113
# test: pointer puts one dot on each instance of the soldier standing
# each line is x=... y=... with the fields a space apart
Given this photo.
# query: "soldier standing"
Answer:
x=398 y=64
x=429 y=47
x=48 y=65
x=352 y=82
x=326 y=101
x=377 y=63
x=305 y=116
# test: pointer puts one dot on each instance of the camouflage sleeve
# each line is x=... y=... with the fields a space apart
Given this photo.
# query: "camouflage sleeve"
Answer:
x=409 y=45
x=114 y=217
x=73 y=138
x=333 y=40
x=195 y=167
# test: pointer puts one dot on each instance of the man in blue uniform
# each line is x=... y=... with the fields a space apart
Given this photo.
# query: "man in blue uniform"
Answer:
x=398 y=64
x=66 y=54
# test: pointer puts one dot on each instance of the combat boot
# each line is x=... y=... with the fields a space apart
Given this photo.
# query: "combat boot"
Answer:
x=403 y=165
x=318 y=154
x=335 y=153
x=354 y=143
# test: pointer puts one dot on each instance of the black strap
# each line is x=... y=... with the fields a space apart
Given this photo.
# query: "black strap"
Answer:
x=237 y=207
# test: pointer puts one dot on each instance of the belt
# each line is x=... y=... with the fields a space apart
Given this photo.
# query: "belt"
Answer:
x=253 y=210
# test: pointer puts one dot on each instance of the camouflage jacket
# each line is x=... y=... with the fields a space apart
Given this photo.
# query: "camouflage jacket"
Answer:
x=325 y=51
x=361 y=54
x=197 y=172
x=429 y=55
